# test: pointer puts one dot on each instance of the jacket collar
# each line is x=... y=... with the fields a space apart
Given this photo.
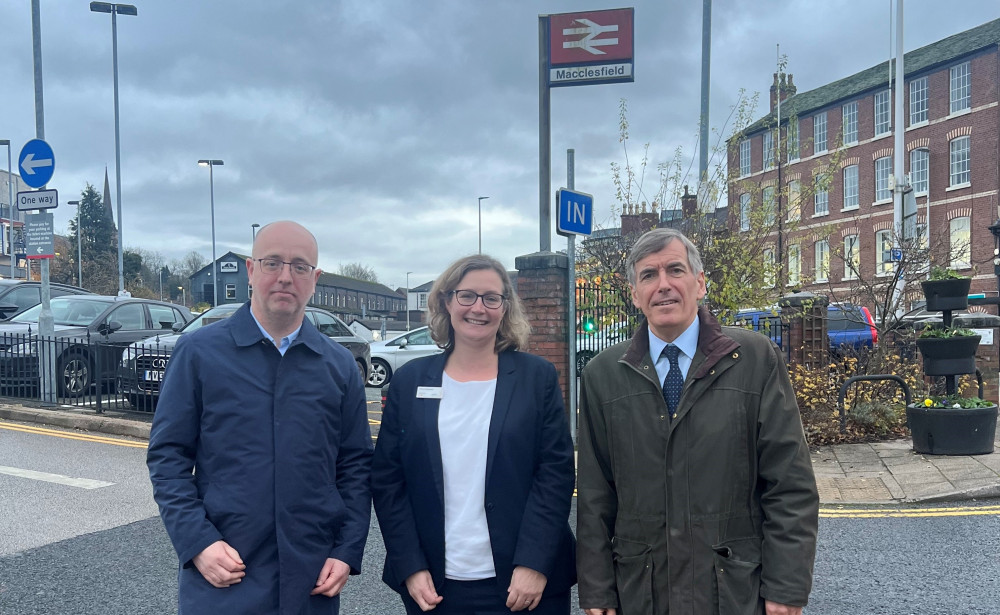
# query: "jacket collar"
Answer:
x=245 y=331
x=713 y=343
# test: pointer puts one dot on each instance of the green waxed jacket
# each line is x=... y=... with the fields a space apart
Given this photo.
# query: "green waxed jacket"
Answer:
x=709 y=513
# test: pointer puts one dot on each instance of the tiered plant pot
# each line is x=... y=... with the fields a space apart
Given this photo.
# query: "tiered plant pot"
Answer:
x=948 y=356
x=944 y=295
x=952 y=431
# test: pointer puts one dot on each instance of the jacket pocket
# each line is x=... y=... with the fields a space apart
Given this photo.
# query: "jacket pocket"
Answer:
x=738 y=582
x=633 y=576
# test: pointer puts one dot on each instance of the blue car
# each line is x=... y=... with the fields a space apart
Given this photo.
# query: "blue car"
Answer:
x=849 y=327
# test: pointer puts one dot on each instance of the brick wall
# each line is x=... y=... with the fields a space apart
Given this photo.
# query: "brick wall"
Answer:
x=543 y=287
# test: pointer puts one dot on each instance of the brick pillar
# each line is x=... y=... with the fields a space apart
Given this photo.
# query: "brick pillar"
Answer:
x=543 y=286
x=805 y=314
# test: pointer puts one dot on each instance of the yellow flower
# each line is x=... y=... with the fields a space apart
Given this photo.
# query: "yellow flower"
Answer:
x=928 y=402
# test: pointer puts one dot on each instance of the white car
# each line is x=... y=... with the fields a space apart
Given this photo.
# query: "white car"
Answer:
x=392 y=354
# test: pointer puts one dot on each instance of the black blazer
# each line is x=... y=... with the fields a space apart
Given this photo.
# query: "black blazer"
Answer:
x=529 y=475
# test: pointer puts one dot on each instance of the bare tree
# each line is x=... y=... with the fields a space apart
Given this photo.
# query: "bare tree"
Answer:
x=358 y=271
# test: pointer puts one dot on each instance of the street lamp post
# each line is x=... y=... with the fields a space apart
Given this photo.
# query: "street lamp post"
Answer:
x=10 y=185
x=253 y=233
x=115 y=10
x=79 y=251
x=481 y=223
x=408 y=300
x=211 y=164
x=183 y=296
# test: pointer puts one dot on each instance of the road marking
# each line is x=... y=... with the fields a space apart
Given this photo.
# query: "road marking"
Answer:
x=876 y=513
x=84 y=437
x=59 y=479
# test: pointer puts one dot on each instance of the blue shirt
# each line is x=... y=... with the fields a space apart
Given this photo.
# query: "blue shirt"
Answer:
x=688 y=344
x=285 y=341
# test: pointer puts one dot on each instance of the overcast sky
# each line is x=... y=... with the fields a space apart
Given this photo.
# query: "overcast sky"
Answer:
x=378 y=123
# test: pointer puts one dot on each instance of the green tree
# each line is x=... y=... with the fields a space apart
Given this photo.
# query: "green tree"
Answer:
x=98 y=243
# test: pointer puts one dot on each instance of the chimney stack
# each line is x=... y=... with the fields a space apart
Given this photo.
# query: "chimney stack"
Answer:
x=689 y=203
x=782 y=88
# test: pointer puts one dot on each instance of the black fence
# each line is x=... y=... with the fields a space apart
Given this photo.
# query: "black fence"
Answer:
x=86 y=372
x=604 y=317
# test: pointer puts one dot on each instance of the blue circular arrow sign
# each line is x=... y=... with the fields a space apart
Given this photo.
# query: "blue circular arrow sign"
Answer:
x=36 y=163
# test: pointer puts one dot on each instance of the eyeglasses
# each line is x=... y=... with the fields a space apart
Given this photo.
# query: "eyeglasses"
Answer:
x=468 y=297
x=272 y=266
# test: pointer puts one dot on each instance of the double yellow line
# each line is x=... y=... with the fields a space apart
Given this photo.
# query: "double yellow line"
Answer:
x=72 y=435
x=876 y=513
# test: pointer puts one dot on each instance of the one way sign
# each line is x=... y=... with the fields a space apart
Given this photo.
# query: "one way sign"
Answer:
x=36 y=163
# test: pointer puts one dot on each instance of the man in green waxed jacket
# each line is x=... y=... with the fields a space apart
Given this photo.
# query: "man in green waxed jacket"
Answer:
x=696 y=491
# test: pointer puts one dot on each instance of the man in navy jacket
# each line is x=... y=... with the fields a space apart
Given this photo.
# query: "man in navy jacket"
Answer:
x=260 y=450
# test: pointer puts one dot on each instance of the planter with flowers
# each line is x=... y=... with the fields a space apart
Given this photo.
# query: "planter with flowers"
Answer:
x=948 y=351
x=946 y=289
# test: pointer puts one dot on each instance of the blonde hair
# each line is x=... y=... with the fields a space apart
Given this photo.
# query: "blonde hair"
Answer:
x=514 y=328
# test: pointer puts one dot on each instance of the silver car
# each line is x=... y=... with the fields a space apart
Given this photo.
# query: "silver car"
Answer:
x=390 y=355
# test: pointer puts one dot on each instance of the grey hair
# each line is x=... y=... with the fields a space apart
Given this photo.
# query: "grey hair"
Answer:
x=655 y=240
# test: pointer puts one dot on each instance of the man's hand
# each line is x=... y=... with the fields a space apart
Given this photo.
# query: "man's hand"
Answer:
x=332 y=578
x=220 y=564
x=599 y=611
x=773 y=608
x=525 y=589
x=421 y=588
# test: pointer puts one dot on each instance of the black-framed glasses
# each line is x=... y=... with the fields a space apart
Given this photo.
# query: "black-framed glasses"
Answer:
x=272 y=266
x=468 y=297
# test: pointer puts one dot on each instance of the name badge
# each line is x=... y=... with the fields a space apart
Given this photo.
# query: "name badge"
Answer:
x=428 y=392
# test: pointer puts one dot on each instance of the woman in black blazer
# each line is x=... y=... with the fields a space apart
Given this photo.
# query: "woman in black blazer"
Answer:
x=473 y=473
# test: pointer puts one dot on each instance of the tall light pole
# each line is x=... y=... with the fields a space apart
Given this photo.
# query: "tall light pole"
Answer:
x=115 y=10
x=10 y=185
x=183 y=296
x=481 y=223
x=408 y=300
x=253 y=234
x=79 y=251
x=211 y=164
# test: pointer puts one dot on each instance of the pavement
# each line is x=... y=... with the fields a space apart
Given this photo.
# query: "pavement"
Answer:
x=869 y=473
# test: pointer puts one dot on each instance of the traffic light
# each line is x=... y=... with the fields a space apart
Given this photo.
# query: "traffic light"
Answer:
x=587 y=324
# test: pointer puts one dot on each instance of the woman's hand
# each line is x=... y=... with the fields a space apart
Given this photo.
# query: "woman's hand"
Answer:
x=525 y=589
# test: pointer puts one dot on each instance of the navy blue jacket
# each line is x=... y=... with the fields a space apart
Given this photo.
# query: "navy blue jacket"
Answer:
x=529 y=475
x=282 y=452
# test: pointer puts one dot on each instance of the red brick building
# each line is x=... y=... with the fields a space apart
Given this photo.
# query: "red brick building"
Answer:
x=829 y=181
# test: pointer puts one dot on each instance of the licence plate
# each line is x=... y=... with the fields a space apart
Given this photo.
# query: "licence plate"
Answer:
x=154 y=375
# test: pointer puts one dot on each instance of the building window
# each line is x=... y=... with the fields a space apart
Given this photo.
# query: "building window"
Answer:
x=919 y=160
x=822 y=269
x=961 y=91
x=821 y=197
x=851 y=123
x=769 y=267
x=793 y=140
x=770 y=206
x=768 y=149
x=883 y=113
x=230 y=291
x=794 y=205
x=959 y=237
x=851 y=187
x=422 y=301
x=959 y=161
x=883 y=171
x=883 y=252
x=744 y=212
x=744 y=157
x=852 y=259
x=918 y=101
x=794 y=265
x=819 y=133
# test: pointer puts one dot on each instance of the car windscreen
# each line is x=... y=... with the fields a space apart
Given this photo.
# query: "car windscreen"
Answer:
x=67 y=311
x=207 y=318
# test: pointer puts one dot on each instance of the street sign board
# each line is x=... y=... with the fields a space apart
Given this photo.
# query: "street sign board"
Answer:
x=36 y=163
x=576 y=213
x=38 y=234
x=37 y=199
x=591 y=47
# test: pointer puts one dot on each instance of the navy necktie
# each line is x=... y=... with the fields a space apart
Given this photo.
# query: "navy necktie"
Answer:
x=674 y=382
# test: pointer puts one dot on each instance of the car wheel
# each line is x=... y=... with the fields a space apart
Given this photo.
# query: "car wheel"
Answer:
x=582 y=358
x=75 y=375
x=379 y=374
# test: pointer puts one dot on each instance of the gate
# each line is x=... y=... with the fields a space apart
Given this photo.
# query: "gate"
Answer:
x=605 y=316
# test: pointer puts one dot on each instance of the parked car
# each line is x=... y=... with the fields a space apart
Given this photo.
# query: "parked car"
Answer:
x=848 y=327
x=390 y=355
x=19 y=295
x=91 y=331
x=143 y=363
